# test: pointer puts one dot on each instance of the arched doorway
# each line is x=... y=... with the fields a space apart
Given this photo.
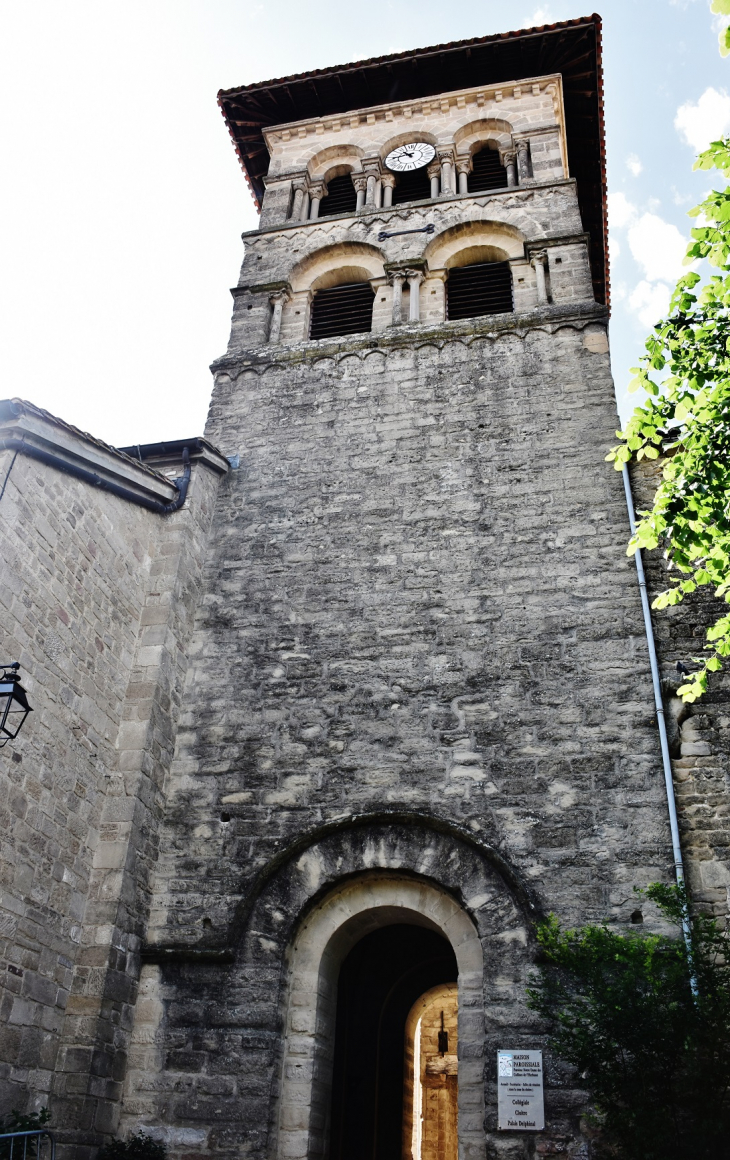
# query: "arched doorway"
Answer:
x=381 y=978
x=363 y=905
x=431 y=1081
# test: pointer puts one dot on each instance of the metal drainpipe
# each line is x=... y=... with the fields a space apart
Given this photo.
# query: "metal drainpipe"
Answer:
x=659 y=704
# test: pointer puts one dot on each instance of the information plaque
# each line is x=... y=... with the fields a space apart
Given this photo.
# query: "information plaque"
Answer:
x=519 y=1082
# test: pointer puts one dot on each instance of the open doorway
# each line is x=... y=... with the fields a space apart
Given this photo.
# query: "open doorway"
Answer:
x=431 y=1083
x=375 y=1082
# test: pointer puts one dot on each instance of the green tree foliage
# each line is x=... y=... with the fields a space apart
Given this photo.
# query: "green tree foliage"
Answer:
x=654 y=1057
x=686 y=417
x=138 y=1147
x=722 y=8
x=23 y=1122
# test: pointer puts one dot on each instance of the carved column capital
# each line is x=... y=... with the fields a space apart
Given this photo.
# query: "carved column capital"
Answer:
x=463 y=164
x=372 y=166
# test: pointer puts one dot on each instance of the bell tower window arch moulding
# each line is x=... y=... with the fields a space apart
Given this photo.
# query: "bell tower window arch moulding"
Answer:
x=345 y=915
x=451 y=173
x=495 y=249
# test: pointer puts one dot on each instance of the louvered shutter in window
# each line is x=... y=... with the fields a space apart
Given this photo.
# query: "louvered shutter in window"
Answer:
x=341 y=197
x=342 y=310
x=487 y=171
x=412 y=186
x=484 y=288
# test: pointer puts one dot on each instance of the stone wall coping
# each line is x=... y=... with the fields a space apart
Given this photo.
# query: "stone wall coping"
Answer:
x=45 y=432
x=162 y=456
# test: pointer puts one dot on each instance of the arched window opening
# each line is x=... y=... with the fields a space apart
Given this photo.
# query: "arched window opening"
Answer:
x=341 y=196
x=487 y=171
x=431 y=1092
x=380 y=980
x=339 y=310
x=482 y=288
x=412 y=186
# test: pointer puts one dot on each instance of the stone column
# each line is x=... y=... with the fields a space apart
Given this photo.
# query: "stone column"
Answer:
x=510 y=163
x=414 y=282
x=373 y=170
x=317 y=192
x=299 y=190
x=388 y=183
x=359 y=180
x=463 y=166
x=523 y=160
x=433 y=172
x=397 y=298
x=538 y=263
x=277 y=301
x=446 y=160
x=304 y=215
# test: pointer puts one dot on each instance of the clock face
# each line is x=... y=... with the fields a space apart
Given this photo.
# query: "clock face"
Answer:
x=412 y=156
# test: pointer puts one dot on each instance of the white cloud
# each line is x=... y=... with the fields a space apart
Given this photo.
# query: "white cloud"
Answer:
x=706 y=121
x=614 y=248
x=649 y=302
x=682 y=199
x=620 y=210
x=658 y=247
x=619 y=290
x=540 y=16
x=719 y=23
x=633 y=164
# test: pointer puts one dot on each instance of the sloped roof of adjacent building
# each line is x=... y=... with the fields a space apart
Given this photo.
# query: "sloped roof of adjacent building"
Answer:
x=571 y=48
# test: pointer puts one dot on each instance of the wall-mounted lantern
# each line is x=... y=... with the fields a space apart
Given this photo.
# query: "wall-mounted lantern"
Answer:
x=14 y=707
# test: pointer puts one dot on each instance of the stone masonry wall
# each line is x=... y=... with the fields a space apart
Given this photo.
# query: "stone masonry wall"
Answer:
x=699 y=734
x=417 y=604
x=95 y=594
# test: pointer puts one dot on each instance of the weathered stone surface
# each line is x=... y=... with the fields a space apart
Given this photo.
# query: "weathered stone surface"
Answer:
x=80 y=569
x=400 y=648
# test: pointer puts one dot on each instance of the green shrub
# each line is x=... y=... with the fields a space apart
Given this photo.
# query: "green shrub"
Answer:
x=22 y=1122
x=137 y=1147
x=645 y=1021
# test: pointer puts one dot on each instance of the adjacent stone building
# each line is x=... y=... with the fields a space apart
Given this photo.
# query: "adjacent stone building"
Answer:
x=314 y=749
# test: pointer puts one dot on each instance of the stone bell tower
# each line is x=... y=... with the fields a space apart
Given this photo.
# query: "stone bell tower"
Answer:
x=417 y=713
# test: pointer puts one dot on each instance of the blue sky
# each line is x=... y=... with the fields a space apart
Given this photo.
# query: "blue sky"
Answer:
x=122 y=203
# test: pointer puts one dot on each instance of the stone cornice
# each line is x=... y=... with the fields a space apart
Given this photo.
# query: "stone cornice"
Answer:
x=417 y=334
x=479 y=97
x=426 y=203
